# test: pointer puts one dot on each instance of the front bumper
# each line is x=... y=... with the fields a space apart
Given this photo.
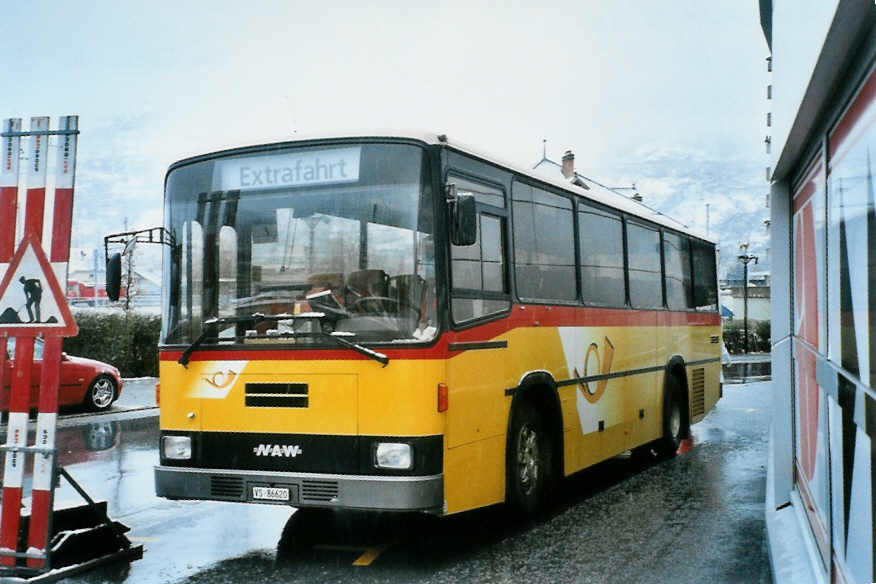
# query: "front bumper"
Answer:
x=379 y=493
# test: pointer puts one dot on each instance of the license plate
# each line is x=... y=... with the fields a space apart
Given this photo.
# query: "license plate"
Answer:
x=270 y=493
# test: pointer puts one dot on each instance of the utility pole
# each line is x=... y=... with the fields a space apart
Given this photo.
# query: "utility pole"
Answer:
x=707 y=219
x=95 y=256
x=745 y=258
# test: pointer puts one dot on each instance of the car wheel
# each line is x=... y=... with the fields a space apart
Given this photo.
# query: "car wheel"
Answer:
x=101 y=393
x=529 y=466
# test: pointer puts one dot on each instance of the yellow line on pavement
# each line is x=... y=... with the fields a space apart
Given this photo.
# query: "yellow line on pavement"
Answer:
x=370 y=555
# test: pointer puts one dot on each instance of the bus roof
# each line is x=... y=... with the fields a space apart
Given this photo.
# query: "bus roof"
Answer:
x=595 y=192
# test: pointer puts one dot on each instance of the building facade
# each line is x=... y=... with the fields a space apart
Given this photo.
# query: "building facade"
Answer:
x=822 y=146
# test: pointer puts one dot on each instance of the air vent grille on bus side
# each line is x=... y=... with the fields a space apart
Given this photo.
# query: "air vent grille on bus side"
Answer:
x=319 y=490
x=226 y=487
x=698 y=392
x=276 y=395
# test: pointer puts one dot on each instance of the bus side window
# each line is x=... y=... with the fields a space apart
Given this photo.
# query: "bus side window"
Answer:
x=643 y=252
x=601 y=245
x=479 y=275
x=676 y=256
x=544 y=245
x=705 y=281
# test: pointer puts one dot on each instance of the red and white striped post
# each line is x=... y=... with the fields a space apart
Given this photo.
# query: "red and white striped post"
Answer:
x=47 y=418
x=8 y=191
x=16 y=437
x=13 y=472
x=9 y=147
x=35 y=172
x=42 y=490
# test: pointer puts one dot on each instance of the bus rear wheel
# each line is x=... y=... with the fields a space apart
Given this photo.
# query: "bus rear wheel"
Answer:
x=673 y=422
x=529 y=464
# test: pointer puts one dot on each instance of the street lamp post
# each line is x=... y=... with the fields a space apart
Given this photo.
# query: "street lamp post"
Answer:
x=745 y=258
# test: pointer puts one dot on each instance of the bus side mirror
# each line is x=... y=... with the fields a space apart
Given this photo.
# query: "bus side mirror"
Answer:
x=114 y=276
x=464 y=217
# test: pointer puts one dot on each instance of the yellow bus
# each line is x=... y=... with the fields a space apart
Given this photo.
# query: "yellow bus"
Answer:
x=400 y=323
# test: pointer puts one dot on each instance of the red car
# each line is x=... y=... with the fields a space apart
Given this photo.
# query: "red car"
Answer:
x=92 y=384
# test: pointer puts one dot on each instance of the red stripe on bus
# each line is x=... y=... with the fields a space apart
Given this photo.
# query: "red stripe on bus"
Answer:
x=8 y=211
x=33 y=211
x=522 y=316
x=63 y=218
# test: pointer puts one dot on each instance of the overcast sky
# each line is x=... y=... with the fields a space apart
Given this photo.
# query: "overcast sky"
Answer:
x=614 y=81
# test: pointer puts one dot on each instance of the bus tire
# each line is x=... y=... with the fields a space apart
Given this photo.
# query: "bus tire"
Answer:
x=530 y=461
x=673 y=421
x=305 y=528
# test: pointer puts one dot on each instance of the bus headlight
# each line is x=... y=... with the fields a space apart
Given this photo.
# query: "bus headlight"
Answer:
x=394 y=455
x=177 y=447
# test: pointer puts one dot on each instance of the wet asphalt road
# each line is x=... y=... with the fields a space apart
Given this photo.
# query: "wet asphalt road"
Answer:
x=695 y=518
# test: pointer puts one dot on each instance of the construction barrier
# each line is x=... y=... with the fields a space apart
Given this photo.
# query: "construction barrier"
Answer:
x=42 y=545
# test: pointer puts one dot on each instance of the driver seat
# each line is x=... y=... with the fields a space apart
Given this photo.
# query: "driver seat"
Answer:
x=366 y=283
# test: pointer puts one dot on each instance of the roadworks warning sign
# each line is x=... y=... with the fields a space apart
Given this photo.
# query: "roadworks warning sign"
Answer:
x=31 y=300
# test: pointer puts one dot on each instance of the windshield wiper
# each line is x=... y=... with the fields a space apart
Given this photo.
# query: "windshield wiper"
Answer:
x=254 y=318
x=337 y=337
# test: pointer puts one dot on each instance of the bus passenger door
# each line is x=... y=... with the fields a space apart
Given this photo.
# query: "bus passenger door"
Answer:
x=643 y=410
x=476 y=370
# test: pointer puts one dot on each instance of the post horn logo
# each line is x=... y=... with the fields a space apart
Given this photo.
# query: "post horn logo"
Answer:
x=221 y=379
x=595 y=367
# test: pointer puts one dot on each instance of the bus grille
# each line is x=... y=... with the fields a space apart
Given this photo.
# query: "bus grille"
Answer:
x=226 y=487
x=319 y=490
x=698 y=392
x=276 y=395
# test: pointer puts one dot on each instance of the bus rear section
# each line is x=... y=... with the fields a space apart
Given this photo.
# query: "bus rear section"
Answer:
x=339 y=433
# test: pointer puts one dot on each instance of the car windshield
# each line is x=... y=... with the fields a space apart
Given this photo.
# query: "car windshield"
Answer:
x=340 y=230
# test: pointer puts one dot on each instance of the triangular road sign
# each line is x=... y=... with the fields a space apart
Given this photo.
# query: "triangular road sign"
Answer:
x=31 y=300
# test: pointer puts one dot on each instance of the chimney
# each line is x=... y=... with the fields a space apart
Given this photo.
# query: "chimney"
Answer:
x=568 y=164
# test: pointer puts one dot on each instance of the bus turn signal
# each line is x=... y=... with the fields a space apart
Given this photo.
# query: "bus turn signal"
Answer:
x=443 y=400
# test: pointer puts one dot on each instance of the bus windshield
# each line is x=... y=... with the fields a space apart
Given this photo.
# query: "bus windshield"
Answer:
x=341 y=231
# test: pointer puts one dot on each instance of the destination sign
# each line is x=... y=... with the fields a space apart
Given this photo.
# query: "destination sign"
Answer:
x=292 y=169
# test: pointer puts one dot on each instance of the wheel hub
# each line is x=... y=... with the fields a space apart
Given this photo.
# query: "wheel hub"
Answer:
x=103 y=393
x=527 y=458
x=675 y=421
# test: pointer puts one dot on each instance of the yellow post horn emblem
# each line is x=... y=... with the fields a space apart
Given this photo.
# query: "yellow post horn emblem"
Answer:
x=593 y=395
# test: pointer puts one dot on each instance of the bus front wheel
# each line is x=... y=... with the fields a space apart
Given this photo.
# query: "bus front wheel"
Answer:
x=530 y=461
